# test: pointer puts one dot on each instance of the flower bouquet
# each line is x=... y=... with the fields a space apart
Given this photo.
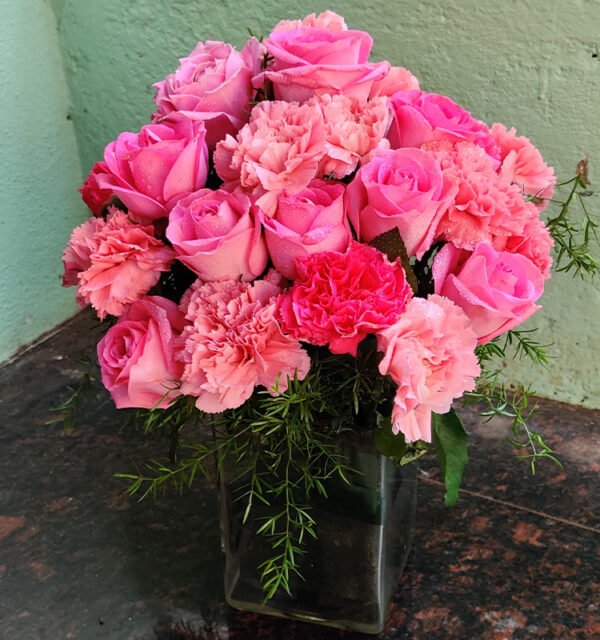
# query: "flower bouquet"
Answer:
x=314 y=257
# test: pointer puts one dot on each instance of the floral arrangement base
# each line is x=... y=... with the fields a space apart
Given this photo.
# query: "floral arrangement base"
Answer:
x=349 y=572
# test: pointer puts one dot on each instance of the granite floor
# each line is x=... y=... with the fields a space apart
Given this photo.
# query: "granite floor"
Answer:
x=517 y=557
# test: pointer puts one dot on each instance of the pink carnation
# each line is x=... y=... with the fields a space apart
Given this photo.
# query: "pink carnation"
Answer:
x=115 y=262
x=137 y=355
x=212 y=84
x=76 y=257
x=430 y=354
x=397 y=79
x=278 y=150
x=420 y=117
x=522 y=163
x=234 y=344
x=355 y=128
x=150 y=170
x=340 y=298
x=485 y=205
x=534 y=243
x=93 y=196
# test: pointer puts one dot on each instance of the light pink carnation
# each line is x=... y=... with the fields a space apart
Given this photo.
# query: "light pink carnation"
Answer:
x=397 y=79
x=340 y=298
x=278 y=150
x=217 y=235
x=496 y=289
x=137 y=355
x=420 y=117
x=485 y=205
x=535 y=243
x=115 y=262
x=76 y=256
x=355 y=128
x=150 y=170
x=212 y=84
x=430 y=354
x=522 y=163
x=234 y=344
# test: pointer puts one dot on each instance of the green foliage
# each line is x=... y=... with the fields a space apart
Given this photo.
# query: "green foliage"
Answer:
x=394 y=445
x=391 y=244
x=450 y=440
x=573 y=239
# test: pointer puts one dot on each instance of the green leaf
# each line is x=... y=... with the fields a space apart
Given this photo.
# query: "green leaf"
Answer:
x=386 y=441
x=393 y=246
x=450 y=439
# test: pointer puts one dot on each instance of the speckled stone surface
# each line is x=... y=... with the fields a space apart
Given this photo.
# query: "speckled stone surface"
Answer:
x=517 y=557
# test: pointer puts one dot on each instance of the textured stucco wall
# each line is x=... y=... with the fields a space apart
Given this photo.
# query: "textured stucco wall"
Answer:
x=39 y=171
x=532 y=64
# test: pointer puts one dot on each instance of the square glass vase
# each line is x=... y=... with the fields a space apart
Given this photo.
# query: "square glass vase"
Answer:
x=350 y=571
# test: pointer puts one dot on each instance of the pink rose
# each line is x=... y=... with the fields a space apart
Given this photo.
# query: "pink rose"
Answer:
x=234 y=344
x=354 y=129
x=136 y=355
x=93 y=196
x=311 y=221
x=496 y=289
x=338 y=299
x=313 y=60
x=212 y=84
x=114 y=262
x=150 y=170
x=278 y=150
x=420 y=117
x=430 y=354
x=397 y=79
x=326 y=20
x=403 y=189
x=522 y=163
x=217 y=236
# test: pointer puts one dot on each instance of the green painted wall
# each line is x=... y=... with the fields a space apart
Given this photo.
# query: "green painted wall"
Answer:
x=529 y=63
x=39 y=172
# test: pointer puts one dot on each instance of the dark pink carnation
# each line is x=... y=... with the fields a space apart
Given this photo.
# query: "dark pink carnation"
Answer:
x=137 y=355
x=234 y=343
x=339 y=298
x=114 y=262
x=420 y=117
